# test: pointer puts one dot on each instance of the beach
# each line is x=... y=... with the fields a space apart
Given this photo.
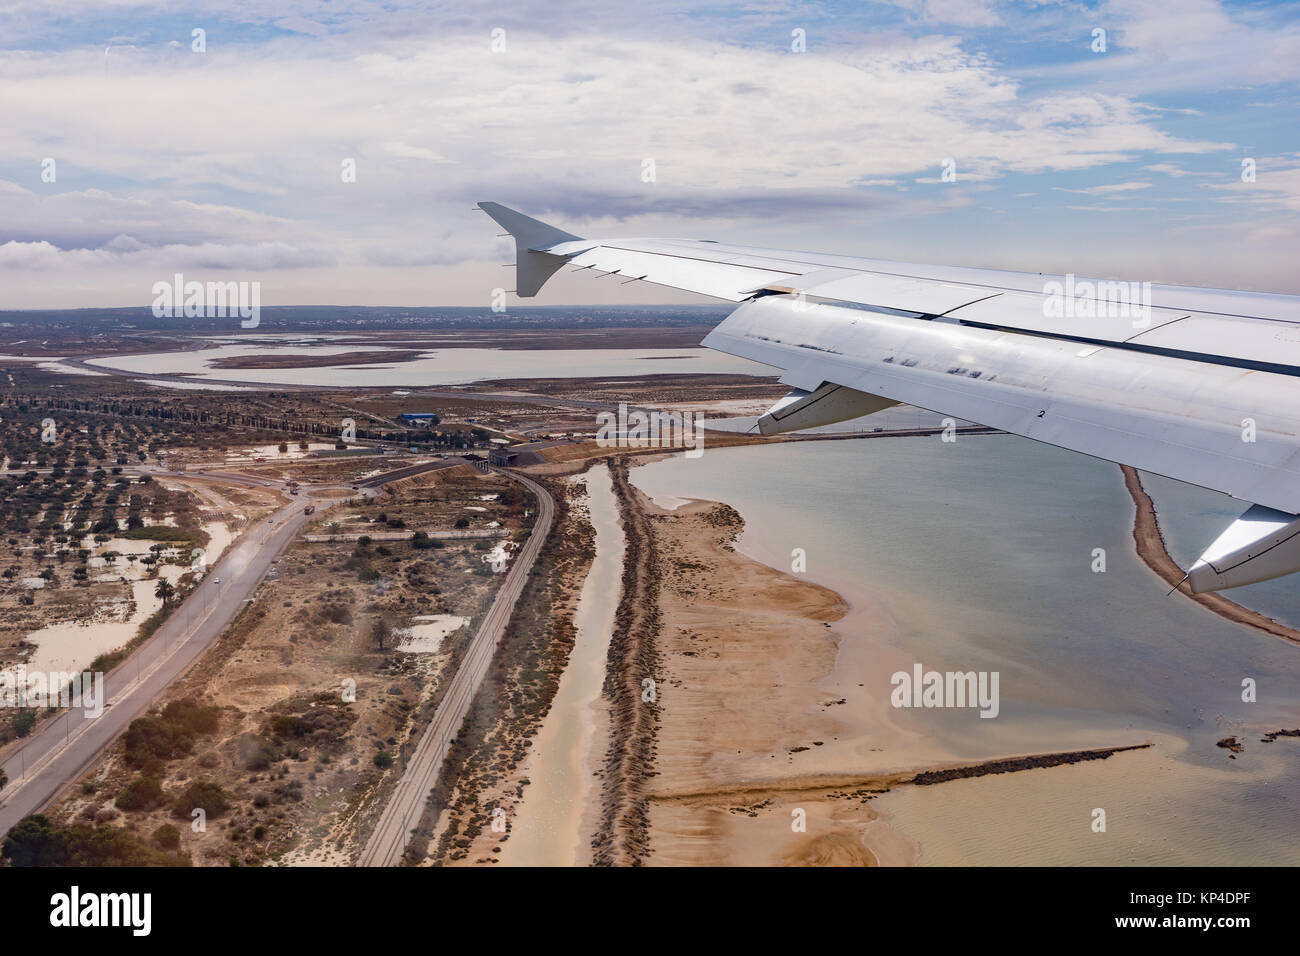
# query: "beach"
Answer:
x=775 y=701
x=758 y=757
x=745 y=714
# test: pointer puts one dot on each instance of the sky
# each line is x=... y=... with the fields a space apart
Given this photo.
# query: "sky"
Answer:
x=1110 y=139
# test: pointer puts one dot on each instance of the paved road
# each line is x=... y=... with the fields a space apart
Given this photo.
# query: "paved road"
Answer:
x=400 y=473
x=58 y=753
x=62 y=748
x=388 y=841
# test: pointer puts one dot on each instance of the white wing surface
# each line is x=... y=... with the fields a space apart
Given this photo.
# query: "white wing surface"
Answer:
x=1196 y=384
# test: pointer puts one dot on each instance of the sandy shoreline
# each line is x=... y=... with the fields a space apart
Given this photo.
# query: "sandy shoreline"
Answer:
x=768 y=733
x=763 y=747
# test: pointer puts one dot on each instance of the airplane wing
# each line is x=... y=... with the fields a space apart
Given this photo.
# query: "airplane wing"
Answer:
x=1194 y=384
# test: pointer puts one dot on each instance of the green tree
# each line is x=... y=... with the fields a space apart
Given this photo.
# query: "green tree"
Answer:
x=35 y=841
x=381 y=631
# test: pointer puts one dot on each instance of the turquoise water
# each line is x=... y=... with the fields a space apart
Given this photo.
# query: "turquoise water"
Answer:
x=981 y=552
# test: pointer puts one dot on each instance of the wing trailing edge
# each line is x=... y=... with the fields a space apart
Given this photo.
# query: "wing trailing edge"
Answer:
x=1194 y=384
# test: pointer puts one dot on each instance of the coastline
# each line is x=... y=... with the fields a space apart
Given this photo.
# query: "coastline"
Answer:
x=748 y=731
x=753 y=757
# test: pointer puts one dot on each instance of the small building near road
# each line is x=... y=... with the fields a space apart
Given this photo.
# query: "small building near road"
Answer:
x=503 y=457
x=518 y=456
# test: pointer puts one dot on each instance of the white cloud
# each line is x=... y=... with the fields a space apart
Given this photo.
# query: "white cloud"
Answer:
x=1276 y=185
x=232 y=158
x=125 y=251
x=960 y=13
x=1192 y=45
x=1107 y=189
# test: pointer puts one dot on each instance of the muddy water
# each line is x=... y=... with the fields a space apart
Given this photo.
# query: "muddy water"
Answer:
x=547 y=829
x=73 y=645
x=979 y=556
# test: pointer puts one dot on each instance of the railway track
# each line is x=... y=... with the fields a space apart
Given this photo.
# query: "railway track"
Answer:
x=387 y=843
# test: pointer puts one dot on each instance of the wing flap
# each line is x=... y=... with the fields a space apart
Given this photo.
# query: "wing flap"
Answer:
x=1165 y=415
x=1036 y=313
x=1265 y=344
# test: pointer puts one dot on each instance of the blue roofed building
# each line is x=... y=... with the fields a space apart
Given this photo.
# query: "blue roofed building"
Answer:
x=427 y=419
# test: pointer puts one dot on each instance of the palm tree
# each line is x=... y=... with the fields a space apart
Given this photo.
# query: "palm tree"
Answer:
x=164 y=590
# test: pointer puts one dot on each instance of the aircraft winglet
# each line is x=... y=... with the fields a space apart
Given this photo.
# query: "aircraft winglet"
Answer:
x=533 y=266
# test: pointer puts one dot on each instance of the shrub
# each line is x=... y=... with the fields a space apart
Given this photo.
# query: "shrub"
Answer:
x=167 y=837
x=256 y=752
x=195 y=717
x=337 y=613
x=24 y=720
x=142 y=793
x=289 y=791
x=151 y=740
x=36 y=841
x=206 y=796
x=321 y=726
